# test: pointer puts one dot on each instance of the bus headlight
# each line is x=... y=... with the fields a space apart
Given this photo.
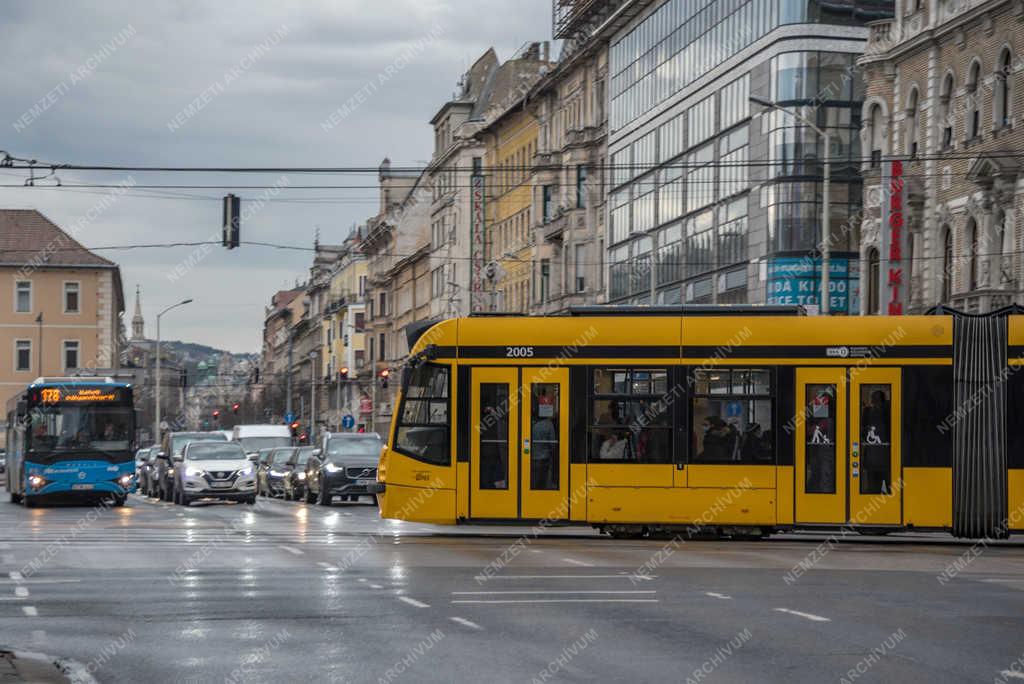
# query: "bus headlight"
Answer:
x=125 y=480
x=36 y=481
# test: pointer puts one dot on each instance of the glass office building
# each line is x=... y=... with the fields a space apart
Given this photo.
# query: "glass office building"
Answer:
x=713 y=199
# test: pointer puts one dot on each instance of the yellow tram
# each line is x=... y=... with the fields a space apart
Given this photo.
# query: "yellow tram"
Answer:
x=643 y=419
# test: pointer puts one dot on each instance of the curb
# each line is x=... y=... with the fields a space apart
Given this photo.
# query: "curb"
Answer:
x=39 y=668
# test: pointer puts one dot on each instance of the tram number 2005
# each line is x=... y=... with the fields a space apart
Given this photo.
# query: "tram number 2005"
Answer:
x=518 y=352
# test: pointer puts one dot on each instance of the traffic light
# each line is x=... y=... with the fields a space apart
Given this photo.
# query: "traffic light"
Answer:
x=294 y=428
x=216 y=415
x=384 y=375
x=343 y=373
x=235 y=407
x=232 y=225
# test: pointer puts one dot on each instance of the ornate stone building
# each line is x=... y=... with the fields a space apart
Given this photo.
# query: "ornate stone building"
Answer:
x=944 y=93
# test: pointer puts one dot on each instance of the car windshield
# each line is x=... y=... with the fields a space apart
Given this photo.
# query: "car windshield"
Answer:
x=215 y=452
x=280 y=457
x=303 y=455
x=178 y=442
x=346 y=449
x=68 y=428
x=251 y=444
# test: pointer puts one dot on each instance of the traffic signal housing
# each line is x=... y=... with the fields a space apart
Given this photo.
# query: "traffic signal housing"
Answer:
x=384 y=375
x=235 y=407
x=216 y=414
x=343 y=373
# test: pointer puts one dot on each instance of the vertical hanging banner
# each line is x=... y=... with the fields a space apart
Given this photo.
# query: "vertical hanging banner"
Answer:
x=477 y=245
x=894 y=276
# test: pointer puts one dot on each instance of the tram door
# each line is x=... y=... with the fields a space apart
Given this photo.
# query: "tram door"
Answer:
x=847 y=446
x=494 y=437
x=519 y=457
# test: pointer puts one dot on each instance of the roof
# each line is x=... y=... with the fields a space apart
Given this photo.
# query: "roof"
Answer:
x=29 y=239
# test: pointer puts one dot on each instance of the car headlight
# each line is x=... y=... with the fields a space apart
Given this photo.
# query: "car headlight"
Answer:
x=191 y=471
x=170 y=471
x=301 y=476
x=332 y=467
x=246 y=471
x=278 y=473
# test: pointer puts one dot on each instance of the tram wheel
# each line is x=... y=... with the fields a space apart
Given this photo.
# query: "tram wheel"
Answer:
x=626 y=531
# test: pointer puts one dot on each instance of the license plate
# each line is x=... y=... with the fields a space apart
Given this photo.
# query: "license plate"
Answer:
x=82 y=486
x=364 y=481
x=221 y=485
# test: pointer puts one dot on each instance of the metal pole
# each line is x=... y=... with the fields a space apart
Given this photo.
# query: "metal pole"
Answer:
x=826 y=232
x=337 y=402
x=312 y=396
x=39 y=320
x=156 y=382
x=288 y=379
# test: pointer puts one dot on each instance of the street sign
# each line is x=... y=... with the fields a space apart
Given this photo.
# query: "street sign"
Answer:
x=289 y=417
x=348 y=421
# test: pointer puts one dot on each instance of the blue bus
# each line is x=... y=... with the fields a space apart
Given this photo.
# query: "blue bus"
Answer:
x=71 y=437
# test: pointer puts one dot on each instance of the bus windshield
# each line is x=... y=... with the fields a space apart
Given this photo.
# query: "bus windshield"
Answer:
x=63 y=428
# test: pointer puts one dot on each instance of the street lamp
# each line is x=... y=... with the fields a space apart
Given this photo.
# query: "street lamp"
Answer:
x=156 y=412
x=312 y=395
x=826 y=237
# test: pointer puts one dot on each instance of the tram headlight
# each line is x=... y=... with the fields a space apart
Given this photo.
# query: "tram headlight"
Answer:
x=36 y=481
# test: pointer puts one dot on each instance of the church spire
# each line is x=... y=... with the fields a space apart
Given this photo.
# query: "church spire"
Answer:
x=138 y=324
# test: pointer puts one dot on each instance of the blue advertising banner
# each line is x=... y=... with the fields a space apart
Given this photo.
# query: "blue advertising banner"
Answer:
x=797 y=280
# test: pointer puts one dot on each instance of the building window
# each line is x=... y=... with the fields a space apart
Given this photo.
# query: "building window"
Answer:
x=700 y=241
x=71 y=291
x=383 y=348
x=874 y=276
x=545 y=280
x=22 y=355
x=973 y=102
x=23 y=296
x=632 y=421
x=732 y=417
x=1003 y=96
x=383 y=304
x=732 y=232
x=360 y=321
x=877 y=135
x=947 y=266
x=548 y=200
x=70 y=354
x=735 y=102
x=580 y=256
x=971 y=243
x=911 y=126
x=581 y=186
x=946 y=114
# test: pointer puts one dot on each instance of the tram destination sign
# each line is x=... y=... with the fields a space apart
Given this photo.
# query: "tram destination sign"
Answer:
x=894 y=276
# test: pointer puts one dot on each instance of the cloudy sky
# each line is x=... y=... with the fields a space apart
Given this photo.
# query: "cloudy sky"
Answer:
x=229 y=83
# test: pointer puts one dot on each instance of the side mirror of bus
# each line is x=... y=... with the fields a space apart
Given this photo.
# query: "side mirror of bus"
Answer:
x=21 y=408
x=177 y=458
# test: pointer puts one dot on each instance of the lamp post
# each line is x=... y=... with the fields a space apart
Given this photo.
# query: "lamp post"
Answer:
x=156 y=411
x=826 y=235
x=312 y=396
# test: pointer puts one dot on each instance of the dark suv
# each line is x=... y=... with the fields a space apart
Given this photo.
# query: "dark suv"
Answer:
x=344 y=466
x=294 y=481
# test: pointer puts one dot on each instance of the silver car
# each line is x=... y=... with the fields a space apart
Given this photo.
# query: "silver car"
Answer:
x=214 y=470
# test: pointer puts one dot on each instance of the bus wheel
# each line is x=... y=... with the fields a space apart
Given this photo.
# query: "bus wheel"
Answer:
x=29 y=501
x=15 y=498
x=119 y=500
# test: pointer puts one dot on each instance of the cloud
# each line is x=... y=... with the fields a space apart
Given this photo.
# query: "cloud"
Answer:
x=270 y=115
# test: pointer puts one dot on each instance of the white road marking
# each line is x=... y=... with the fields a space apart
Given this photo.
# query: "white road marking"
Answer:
x=465 y=622
x=545 y=591
x=376 y=586
x=16 y=576
x=535 y=551
x=595 y=600
x=531 y=577
x=1012 y=674
x=30 y=611
x=361 y=579
x=578 y=562
x=1000 y=581
x=324 y=564
x=21 y=592
x=716 y=595
x=809 y=616
x=41 y=581
x=413 y=602
x=291 y=550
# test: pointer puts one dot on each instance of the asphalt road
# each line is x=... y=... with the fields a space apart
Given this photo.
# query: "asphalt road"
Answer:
x=292 y=592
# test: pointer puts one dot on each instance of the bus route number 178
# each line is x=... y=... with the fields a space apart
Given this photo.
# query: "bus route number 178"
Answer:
x=518 y=352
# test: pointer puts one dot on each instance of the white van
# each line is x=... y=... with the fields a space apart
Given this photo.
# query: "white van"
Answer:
x=256 y=437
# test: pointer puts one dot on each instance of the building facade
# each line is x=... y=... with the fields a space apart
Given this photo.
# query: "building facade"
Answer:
x=713 y=199
x=944 y=95
x=61 y=304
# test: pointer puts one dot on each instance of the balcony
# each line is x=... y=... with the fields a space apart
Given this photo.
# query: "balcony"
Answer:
x=564 y=219
x=587 y=135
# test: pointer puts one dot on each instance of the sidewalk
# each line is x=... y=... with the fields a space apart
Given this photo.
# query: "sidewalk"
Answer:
x=38 y=668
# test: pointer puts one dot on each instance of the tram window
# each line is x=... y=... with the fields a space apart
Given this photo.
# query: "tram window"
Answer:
x=544 y=435
x=423 y=425
x=820 y=439
x=493 y=435
x=875 y=439
x=732 y=417
x=631 y=416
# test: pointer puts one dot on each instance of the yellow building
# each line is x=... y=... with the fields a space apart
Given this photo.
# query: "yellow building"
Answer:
x=60 y=304
x=343 y=333
x=511 y=143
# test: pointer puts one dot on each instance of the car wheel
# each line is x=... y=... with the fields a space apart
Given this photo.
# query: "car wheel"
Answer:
x=323 y=497
x=15 y=498
x=251 y=501
x=185 y=500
